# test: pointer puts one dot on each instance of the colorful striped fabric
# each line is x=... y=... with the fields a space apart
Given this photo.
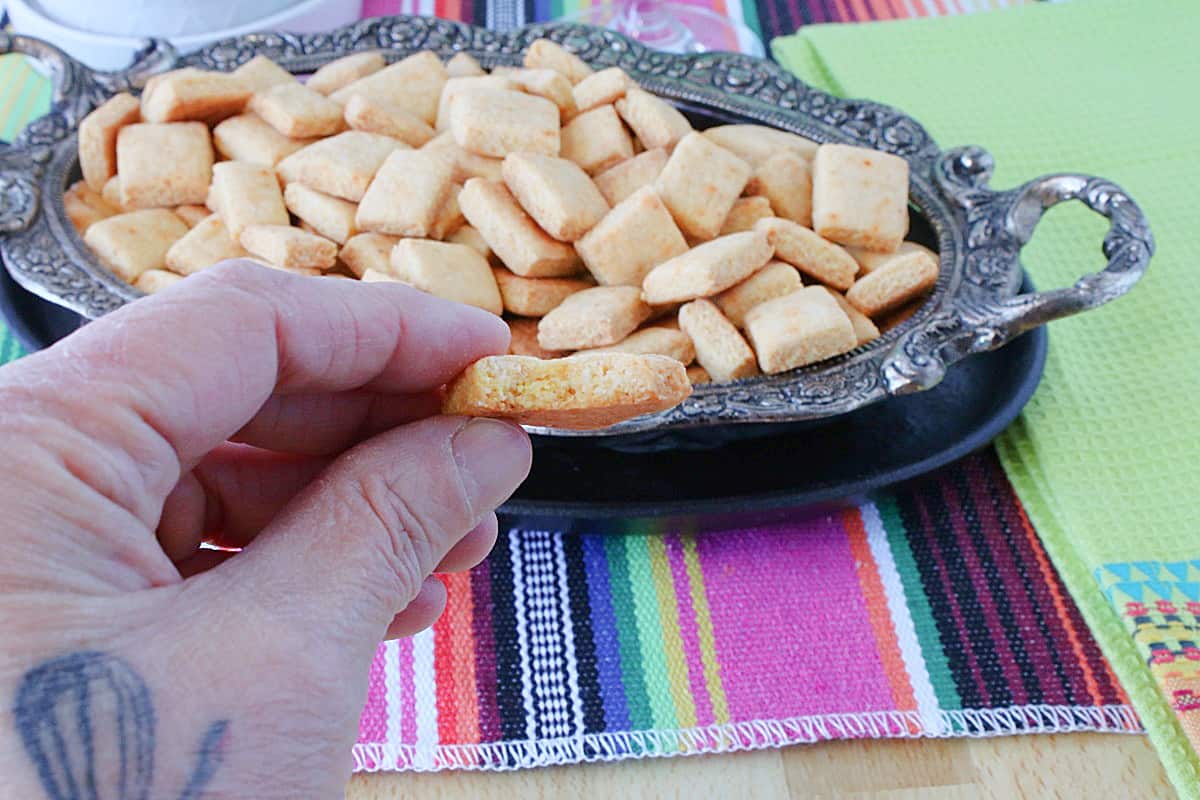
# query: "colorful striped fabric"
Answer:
x=931 y=610
x=767 y=18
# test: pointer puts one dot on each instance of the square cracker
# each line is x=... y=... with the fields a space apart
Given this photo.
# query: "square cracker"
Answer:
x=657 y=340
x=860 y=197
x=471 y=238
x=774 y=280
x=463 y=65
x=466 y=164
x=297 y=111
x=193 y=215
x=869 y=261
x=602 y=88
x=289 y=248
x=623 y=179
x=864 y=329
x=206 y=244
x=246 y=194
x=261 y=73
x=632 y=239
x=406 y=194
x=546 y=54
x=368 y=251
x=548 y=84
x=720 y=349
x=707 y=269
x=559 y=195
x=374 y=116
x=193 y=94
x=329 y=216
x=596 y=140
x=341 y=165
x=496 y=122
x=86 y=207
x=534 y=297
x=579 y=392
x=745 y=213
x=808 y=252
x=656 y=122
x=800 y=328
x=155 y=280
x=413 y=84
x=523 y=341
x=344 y=71
x=246 y=137
x=592 y=318
x=785 y=179
x=456 y=87
x=164 y=164
x=449 y=216
x=378 y=276
x=900 y=280
x=112 y=194
x=451 y=271
x=129 y=244
x=512 y=234
x=700 y=184
x=754 y=144
x=98 y=137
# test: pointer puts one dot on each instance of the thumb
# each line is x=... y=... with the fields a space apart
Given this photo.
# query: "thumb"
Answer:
x=354 y=548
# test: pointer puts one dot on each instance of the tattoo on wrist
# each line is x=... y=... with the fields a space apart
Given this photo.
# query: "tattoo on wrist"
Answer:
x=87 y=722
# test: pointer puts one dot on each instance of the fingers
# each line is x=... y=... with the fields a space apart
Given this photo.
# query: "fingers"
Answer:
x=472 y=548
x=421 y=613
x=203 y=561
x=160 y=382
x=355 y=546
x=326 y=424
x=230 y=496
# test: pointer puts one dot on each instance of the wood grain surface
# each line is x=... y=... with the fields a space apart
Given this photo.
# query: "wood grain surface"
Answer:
x=1075 y=765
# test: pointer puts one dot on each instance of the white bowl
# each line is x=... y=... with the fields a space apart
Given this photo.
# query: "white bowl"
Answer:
x=107 y=52
x=160 y=18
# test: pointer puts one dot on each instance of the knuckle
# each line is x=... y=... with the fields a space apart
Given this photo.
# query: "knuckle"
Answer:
x=404 y=536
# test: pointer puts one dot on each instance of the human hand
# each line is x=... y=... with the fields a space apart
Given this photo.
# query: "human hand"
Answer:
x=294 y=417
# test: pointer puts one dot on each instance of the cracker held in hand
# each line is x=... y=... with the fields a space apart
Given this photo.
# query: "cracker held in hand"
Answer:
x=581 y=392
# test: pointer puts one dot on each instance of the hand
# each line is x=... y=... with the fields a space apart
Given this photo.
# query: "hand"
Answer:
x=292 y=417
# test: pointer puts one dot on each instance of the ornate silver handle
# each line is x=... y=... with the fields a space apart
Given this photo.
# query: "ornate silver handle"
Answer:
x=77 y=89
x=986 y=311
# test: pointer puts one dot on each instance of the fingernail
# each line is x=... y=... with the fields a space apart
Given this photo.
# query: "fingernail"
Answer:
x=493 y=457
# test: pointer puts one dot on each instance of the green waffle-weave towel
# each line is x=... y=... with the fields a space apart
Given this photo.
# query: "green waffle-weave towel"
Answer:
x=1106 y=457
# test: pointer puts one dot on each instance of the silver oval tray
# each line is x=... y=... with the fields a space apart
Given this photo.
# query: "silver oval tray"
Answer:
x=975 y=306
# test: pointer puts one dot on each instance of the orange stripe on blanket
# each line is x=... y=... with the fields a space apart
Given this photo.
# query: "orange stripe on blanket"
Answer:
x=877 y=610
x=454 y=660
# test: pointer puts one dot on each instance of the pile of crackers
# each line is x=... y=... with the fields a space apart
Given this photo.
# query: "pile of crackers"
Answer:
x=584 y=209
